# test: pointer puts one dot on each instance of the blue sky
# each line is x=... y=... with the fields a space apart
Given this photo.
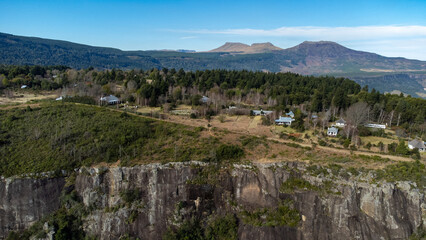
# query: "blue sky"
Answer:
x=388 y=27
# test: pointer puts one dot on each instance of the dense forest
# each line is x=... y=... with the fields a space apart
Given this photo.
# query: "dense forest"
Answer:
x=274 y=91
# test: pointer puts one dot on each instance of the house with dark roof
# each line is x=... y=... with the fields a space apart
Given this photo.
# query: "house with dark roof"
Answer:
x=417 y=144
x=111 y=99
x=261 y=112
x=340 y=123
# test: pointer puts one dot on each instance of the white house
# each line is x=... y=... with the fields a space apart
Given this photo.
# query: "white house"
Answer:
x=373 y=125
x=111 y=99
x=332 y=131
x=284 y=120
x=205 y=99
x=340 y=123
x=417 y=144
x=261 y=112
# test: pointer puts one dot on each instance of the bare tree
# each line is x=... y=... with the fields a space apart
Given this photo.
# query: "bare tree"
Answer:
x=356 y=115
x=315 y=122
x=9 y=93
x=325 y=118
x=391 y=117
x=347 y=129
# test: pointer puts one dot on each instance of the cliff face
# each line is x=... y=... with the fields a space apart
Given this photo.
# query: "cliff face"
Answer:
x=25 y=201
x=144 y=201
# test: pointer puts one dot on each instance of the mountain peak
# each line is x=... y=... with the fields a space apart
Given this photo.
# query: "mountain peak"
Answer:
x=320 y=48
x=236 y=47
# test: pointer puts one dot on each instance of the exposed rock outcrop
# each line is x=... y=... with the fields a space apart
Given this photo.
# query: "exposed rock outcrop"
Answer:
x=24 y=201
x=164 y=195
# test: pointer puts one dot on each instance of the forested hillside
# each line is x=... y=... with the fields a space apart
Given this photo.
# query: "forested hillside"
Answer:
x=279 y=91
x=309 y=58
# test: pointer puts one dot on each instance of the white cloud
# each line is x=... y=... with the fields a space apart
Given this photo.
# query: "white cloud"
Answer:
x=188 y=37
x=334 y=33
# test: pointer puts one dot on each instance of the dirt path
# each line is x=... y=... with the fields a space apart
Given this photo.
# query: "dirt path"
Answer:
x=347 y=152
x=203 y=123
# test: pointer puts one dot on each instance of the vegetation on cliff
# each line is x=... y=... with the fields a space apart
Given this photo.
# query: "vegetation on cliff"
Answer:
x=66 y=136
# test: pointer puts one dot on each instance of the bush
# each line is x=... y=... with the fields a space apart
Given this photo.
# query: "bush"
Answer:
x=130 y=195
x=217 y=227
x=368 y=145
x=229 y=152
x=283 y=215
x=404 y=171
x=346 y=143
x=322 y=142
x=266 y=121
x=221 y=118
x=80 y=99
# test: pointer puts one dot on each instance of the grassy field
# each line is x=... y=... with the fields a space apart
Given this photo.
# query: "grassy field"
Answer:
x=376 y=140
x=20 y=97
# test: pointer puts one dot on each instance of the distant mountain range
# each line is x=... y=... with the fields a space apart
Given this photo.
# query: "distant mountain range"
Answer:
x=309 y=58
x=246 y=49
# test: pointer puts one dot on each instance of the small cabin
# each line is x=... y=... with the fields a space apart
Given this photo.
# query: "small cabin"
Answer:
x=290 y=114
x=205 y=99
x=417 y=144
x=284 y=121
x=373 y=125
x=261 y=112
x=340 y=123
x=332 y=132
x=111 y=99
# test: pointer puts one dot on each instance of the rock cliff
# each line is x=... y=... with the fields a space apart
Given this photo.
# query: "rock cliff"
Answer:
x=145 y=201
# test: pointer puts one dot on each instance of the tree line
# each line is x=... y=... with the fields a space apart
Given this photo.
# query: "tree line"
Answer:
x=275 y=91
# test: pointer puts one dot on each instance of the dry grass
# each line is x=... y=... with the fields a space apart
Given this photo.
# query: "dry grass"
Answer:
x=376 y=140
x=22 y=97
x=149 y=109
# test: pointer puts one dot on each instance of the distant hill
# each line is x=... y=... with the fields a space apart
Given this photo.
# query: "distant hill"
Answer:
x=230 y=47
x=309 y=58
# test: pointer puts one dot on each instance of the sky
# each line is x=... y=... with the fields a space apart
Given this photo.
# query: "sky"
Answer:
x=387 y=27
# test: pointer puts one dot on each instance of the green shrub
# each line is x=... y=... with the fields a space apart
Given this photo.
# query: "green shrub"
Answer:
x=229 y=152
x=217 y=227
x=404 y=171
x=346 y=143
x=80 y=99
x=294 y=183
x=368 y=146
x=222 y=228
x=283 y=215
x=130 y=195
x=322 y=142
